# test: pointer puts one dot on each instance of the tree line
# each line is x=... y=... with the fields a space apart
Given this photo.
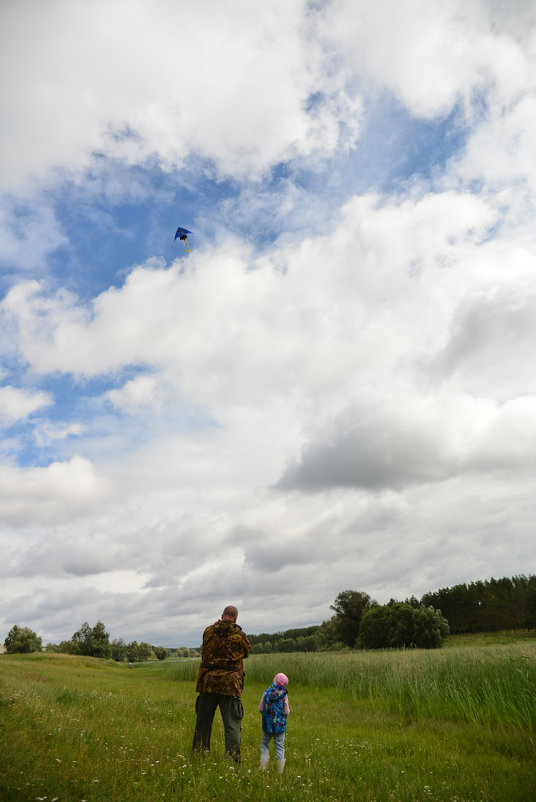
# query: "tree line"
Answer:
x=361 y=623
x=489 y=605
x=93 y=642
x=358 y=622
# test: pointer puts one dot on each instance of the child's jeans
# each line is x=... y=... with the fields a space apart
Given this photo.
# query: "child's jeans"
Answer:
x=279 y=743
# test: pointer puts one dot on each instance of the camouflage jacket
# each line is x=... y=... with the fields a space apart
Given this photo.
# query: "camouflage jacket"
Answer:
x=222 y=670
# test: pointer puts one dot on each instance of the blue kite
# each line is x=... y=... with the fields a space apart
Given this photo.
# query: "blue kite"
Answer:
x=182 y=234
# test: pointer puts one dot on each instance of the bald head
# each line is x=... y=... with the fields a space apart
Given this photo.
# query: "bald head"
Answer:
x=230 y=613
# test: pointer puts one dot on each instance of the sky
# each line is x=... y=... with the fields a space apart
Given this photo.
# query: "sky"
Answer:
x=336 y=388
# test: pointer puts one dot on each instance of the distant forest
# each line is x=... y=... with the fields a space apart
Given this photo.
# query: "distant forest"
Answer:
x=487 y=605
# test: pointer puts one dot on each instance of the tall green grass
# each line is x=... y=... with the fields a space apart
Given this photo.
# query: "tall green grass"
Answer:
x=491 y=687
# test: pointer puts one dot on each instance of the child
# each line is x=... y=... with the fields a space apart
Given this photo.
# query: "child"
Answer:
x=275 y=708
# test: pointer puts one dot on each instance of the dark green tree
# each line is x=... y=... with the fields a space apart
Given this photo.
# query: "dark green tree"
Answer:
x=118 y=650
x=530 y=614
x=430 y=628
x=145 y=652
x=161 y=652
x=81 y=640
x=401 y=625
x=286 y=645
x=349 y=607
x=22 y=640
x=397 y=625
x=132 y=651
x=67 y=647
x=92 y=641
x=326 y=634
x=100 y=641
x=306 y=643
x=413 y=601
x=375 y=627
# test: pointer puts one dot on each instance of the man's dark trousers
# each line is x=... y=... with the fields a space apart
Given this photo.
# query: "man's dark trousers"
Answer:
x=232 y=712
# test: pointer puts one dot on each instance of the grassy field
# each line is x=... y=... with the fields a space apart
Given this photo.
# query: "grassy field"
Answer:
x=453 y=724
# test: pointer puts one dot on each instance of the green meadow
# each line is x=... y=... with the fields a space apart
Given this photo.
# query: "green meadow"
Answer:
x=454 y=724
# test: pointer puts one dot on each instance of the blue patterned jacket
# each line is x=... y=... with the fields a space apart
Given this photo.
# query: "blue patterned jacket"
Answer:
x=273 y=717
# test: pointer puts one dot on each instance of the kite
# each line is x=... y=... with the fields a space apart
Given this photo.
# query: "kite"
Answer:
x=182 y=234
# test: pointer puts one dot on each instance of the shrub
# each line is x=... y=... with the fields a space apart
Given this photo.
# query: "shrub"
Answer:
x=399 y=624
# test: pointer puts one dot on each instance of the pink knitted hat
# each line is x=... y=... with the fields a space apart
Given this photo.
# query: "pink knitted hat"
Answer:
x=280 y=679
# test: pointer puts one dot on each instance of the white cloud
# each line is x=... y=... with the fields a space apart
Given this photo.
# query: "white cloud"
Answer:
x=491 y=342
x=502 y=149
x=432 y=56
x=29 y=232
x=48 y=433
x=228 y=82
x=141 y=392
x=17 y=404
x=58 y=492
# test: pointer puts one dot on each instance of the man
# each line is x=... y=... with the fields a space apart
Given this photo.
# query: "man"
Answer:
x=220 y=682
